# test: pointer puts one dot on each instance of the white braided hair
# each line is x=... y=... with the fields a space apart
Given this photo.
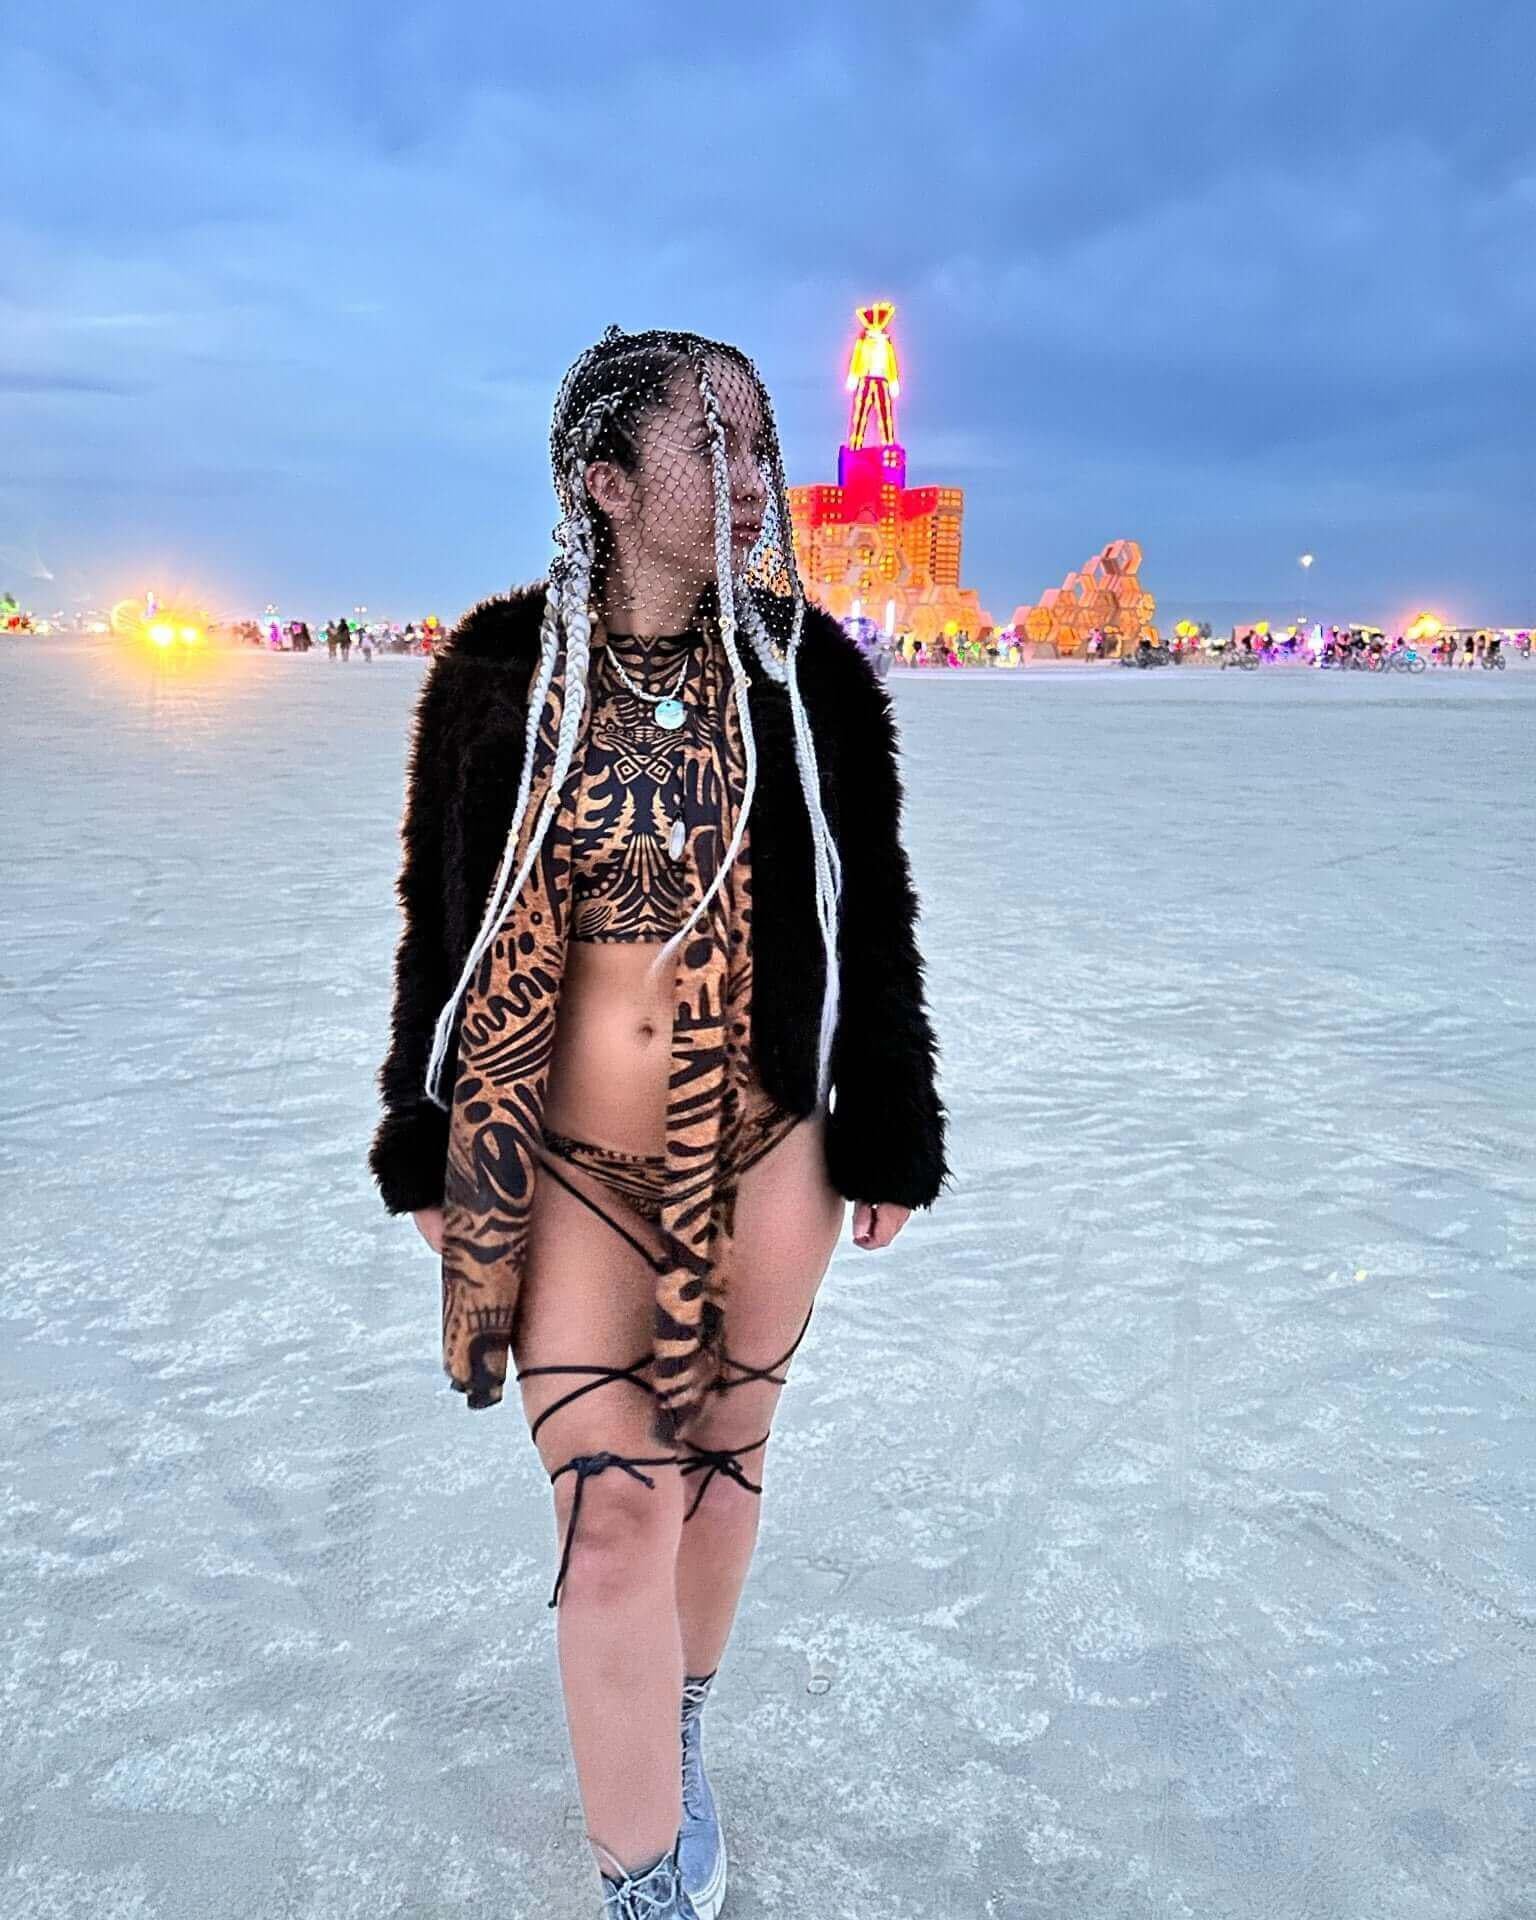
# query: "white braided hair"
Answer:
x=567 y=612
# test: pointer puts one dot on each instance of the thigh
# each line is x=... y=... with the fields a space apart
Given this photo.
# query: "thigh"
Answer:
x=789 y=1218
x=588 y=1301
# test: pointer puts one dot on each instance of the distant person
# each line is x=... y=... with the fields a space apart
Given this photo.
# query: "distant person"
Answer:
x=344 y=639
x=332 y=640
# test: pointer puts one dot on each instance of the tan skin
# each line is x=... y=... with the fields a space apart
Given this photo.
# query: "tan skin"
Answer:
x=646 y=1599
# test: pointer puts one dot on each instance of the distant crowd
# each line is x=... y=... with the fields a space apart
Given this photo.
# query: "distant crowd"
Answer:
x=340 y=636
x=1367 y=647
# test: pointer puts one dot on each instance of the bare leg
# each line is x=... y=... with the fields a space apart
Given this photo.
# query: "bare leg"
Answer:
x=788 y=1220
x=621 y=1669
x=588 y=1300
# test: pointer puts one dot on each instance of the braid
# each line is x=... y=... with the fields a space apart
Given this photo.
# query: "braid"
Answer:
x=829 y=866
x=577 y=600
x=824 y=847
x=502 y=897
x=565 y=611
x=726 y=597
x=578 y=651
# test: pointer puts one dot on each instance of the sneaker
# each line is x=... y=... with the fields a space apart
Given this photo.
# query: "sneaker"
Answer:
x=701 y=1844
x=656 y=1894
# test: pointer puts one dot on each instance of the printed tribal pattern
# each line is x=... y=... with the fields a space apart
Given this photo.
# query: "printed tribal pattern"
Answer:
x=627 y=883
x=506 y=1044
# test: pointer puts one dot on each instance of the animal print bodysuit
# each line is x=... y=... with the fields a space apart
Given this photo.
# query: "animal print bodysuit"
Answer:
x=629 y=873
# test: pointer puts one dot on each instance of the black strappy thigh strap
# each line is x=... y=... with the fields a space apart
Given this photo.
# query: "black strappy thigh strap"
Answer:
x=726 y=1459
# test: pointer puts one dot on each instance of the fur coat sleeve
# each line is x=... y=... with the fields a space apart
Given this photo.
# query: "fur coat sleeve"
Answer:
x=886 y=1131
x=410 y=1148
x=462 y=773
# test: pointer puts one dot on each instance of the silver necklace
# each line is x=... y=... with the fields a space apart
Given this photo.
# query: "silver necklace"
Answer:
x=669 y=710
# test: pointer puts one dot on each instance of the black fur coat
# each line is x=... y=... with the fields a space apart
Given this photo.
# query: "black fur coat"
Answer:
x=886 y=1127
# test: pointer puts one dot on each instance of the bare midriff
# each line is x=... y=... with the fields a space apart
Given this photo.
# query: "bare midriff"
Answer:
x=612 y=1059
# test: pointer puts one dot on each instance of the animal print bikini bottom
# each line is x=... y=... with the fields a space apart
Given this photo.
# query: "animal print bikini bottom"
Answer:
x=639 y=1179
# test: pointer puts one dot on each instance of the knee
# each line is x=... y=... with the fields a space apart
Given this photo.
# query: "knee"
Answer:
x=626 y=1533
x=722 y=1469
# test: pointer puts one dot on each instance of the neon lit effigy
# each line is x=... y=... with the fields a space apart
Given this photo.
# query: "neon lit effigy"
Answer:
x=872 y=539
x=874 y=378
x=1104 y=597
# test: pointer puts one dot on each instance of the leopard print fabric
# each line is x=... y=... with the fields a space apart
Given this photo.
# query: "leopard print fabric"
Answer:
x=506 y=1044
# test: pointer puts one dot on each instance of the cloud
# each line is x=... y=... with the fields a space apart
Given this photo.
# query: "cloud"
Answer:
x=1189 y=272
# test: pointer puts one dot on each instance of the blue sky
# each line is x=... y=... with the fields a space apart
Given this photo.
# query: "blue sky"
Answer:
x=286 y=290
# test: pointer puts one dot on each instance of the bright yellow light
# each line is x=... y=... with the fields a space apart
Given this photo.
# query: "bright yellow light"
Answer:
x=1424 y=628
x=161 y=634
x=191 y=636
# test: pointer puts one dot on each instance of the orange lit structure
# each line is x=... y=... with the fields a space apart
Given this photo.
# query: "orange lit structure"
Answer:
x=1106 y=597
x=871 y=543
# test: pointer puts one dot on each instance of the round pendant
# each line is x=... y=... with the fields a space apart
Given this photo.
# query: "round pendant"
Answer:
x=670 y=714
x=677 y=839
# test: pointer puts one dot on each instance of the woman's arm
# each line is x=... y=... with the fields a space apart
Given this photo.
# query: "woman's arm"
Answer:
x=410 y=1148
x=886 y=1132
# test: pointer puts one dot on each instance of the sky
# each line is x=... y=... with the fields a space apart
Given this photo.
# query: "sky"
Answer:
x=286 y=291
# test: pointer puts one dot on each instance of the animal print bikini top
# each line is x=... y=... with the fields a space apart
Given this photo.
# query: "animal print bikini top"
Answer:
x=627 y=867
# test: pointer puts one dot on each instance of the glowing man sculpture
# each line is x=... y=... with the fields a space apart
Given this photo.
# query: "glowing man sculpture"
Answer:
x=871 y=539
x=874 y=379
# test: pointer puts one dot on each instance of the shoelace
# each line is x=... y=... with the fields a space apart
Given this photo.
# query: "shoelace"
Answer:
x=695 y=1692
x=656 y=1892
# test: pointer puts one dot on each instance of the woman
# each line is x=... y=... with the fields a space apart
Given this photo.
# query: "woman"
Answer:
x=639 y=1199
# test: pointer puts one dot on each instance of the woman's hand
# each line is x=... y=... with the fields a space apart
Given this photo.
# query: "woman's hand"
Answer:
x=876 y=1223
x=429 y=1224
